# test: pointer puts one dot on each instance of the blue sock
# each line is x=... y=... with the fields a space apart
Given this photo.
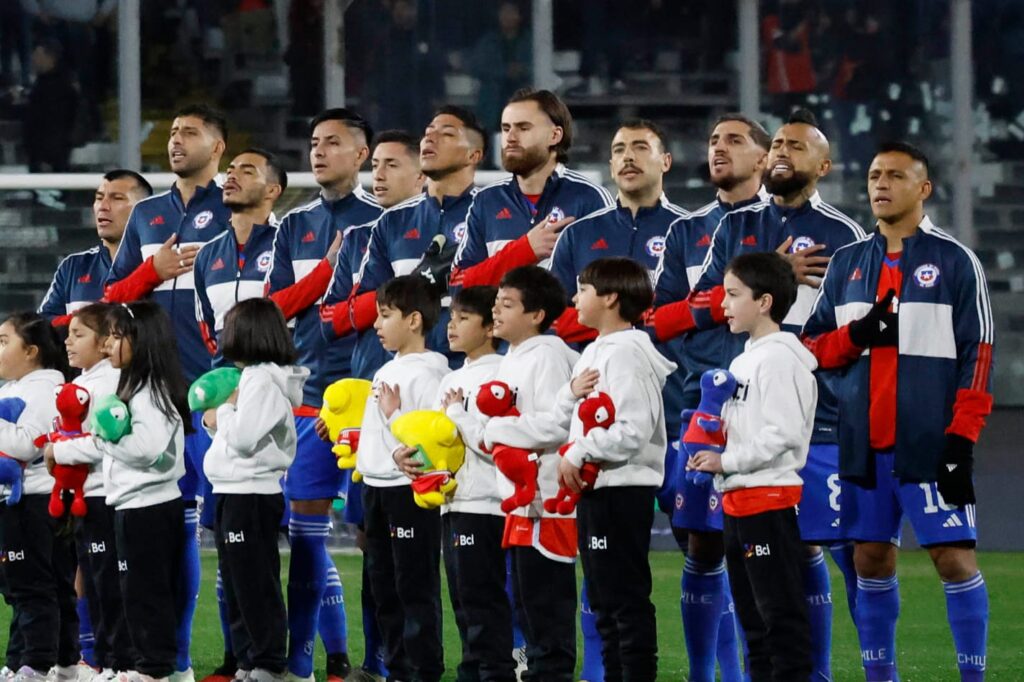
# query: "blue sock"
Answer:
x=701 y=604
x=727 y=649
x=518 y=640
x=225 y=622
x=878 y=607
x=332 y=625
x=86 y=638
x=593 y=663
x=307 y=580
x=189 y=589
x=967 y=610
x=842 y=554
x=818 y=593
x=373 y=658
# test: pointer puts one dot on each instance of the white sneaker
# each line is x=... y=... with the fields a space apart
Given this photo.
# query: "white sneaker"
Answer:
x=519 y=656
x=6 y=673
x=69 y=673
x=241 y=674
x=27 y=674
x=182 y=676
x=264 y=675
x=127 y=676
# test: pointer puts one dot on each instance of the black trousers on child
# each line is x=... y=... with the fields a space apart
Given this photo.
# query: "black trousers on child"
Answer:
x=150 y=547
x=614 y=528
x=763 y=553
x=475 y=563
x=545 y=600
x=40 y=568
x=403 y=543
x=246 y=530
x=97 y=558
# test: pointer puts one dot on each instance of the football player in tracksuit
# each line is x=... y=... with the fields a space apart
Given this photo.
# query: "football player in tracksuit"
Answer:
x=737 y=152
x=155 y=258
x=339 y=140
x=808 y=230
x=396 y=174
x=79 y=278
x=905 y=315
x=635 y=227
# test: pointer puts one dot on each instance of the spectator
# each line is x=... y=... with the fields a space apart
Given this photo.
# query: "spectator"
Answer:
x=15 y=40
x=50 y=115
x=502 y=62
x=786 y=37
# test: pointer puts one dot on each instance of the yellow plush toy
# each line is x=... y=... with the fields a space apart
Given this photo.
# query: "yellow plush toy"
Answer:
x=440 y=451
x=342 y=412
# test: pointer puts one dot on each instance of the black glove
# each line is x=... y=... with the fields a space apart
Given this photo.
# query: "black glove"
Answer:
x=878 y=327
x=954 y=477
x=436 y=264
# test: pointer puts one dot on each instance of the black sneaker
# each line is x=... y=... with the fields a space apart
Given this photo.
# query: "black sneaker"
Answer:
x=338 y=667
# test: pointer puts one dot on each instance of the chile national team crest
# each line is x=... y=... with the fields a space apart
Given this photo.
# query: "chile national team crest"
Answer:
x=655 y=246
x=926 y=275
x=800 y=243
x=263 y=261
x=556 y=215
x=459 y=232
x=202 y=219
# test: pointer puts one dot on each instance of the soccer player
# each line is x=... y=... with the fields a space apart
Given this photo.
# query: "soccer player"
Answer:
x=798 y=223
x=737 y=154
x=169 y=224
x=516 y=221
x=339 y=146
x=905 y=315
x=78 y=280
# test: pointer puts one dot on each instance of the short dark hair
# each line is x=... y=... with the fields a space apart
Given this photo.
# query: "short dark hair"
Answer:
x=469 y=120
x=349 y=119
x=121 y=173
x=802 y=115
x=402 y=137
x=477 y=301
x=94 y=316
x=255 y=331
x=901 y=147
x=757 y=132
x=767 y=273
x=554 y=108
x=540 y=290
x=625 y=277
x=412 y=294
x=277 y=172
x=213 y=118
x=645 y=124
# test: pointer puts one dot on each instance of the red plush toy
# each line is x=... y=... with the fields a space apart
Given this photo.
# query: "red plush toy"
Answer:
x=496 y=399
x=72 y=407
x=598 y=411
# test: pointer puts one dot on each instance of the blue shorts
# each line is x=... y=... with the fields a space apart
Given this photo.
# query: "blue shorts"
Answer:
x=314 y=475
x=876 y=515
x=353 y=512
x=696 y=508
x=194 y=484
x=818 y=511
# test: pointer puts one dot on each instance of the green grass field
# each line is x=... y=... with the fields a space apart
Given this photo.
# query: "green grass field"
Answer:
x=925 y=648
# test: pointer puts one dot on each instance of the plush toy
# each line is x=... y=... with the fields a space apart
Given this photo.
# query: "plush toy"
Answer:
x=110 y=420
x=702 y=429
x=212 y=389
x=439 y=449
x=12 y=471
x=342 y=412
x=595 y=412
x=496 y=399
x=72 y=406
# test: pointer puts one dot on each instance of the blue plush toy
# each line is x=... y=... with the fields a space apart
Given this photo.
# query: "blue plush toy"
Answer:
x=12 y=471
x=702 y=429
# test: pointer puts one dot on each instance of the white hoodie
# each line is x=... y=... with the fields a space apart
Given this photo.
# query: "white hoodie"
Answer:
x=37 y=390
x=254 y=442
x=770 y=418
x=100 y=380
x=631 y=451
x=417 y=376
x=536 y=370
x=478 y=486
x=142 y=469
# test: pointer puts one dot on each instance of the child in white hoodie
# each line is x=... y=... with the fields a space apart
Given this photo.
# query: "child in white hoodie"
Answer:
x=39 y=566
x=615 y=517
x=769 y=422
x=403 y=541
x=253 y=445
x=140 y=476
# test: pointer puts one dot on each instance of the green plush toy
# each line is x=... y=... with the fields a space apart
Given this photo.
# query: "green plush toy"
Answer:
x=212 y=389
x=110 y=419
